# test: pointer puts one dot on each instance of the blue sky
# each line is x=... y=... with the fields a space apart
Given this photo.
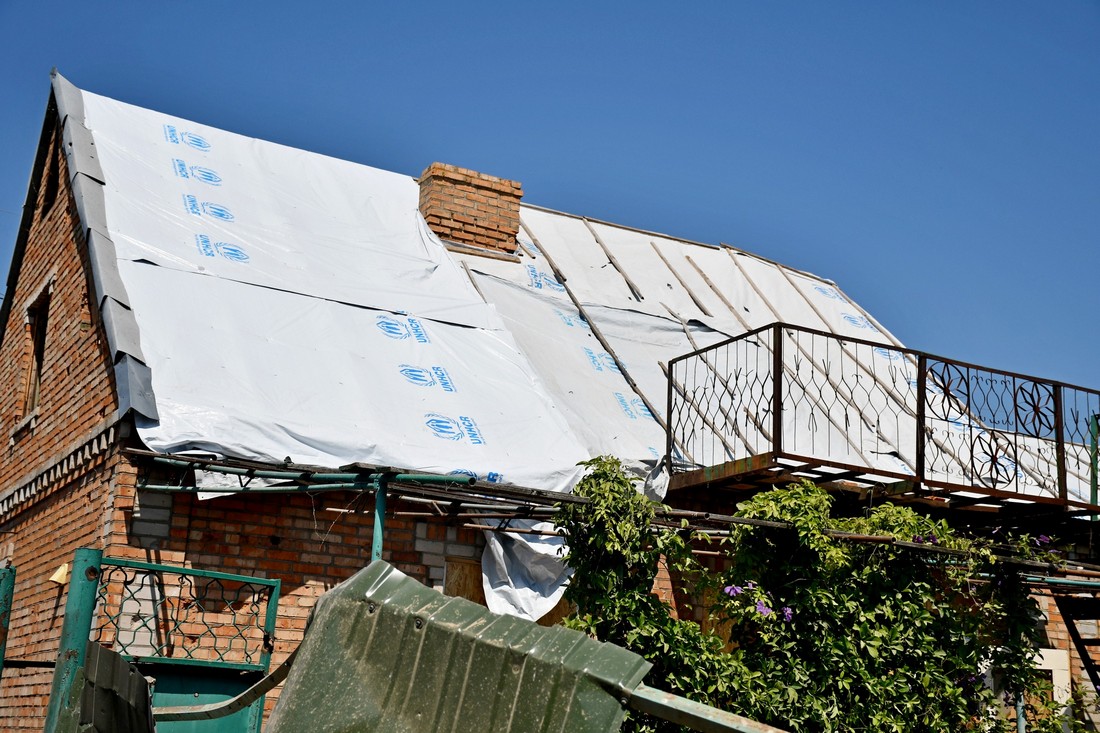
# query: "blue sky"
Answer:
x=939 y=160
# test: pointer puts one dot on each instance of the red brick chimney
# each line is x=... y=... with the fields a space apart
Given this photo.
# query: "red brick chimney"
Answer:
x=470 y=208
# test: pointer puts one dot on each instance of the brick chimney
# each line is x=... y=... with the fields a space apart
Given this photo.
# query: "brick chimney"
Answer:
x=470 y=208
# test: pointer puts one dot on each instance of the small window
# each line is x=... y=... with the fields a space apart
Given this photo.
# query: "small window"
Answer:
x=37 y=316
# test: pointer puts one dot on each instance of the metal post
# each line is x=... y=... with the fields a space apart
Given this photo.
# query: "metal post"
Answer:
x=922 y=403
x=379 y=517
x=75 y=630
x=1021 y=715
x=7 y=592
x=1060 y=443
x=669 y=422
x=1094 y=441
x=777 y=389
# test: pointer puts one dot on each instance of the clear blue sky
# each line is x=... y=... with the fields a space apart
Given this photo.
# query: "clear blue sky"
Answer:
x=939 y=160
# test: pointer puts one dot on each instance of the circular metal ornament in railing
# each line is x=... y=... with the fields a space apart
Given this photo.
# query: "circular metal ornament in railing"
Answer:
x=1035 y=409
x=993 y=459
x=950 y=382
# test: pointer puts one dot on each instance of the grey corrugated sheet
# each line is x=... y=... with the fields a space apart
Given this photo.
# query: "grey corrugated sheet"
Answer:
x=385 y=654
x=110 y=695
x=133 y=380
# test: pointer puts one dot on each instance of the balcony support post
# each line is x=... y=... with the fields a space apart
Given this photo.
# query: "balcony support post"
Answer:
x=1060 y=443
x=777 y=389
x=921 y=431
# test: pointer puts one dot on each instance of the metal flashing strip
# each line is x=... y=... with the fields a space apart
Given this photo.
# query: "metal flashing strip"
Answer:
x=80 y=150
x=104 y=263
x=133 y=379
x=121 y=328
x=70 y=103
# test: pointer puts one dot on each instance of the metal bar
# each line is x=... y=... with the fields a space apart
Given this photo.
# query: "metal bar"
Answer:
x=777 y=388
x=179 y=570
x=1059 y=444
x=317 y=476
x=1094 y=459
x=75 y=630
x=7 y=593
x=669 y=417
x=379 y=518
x=922 y=417
x=270 y=615
x=695 y=715
x=224 y=708
x=1095 y=584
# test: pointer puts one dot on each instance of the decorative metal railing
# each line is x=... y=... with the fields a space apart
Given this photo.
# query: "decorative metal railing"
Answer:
x=160 y=612
x=882 y=414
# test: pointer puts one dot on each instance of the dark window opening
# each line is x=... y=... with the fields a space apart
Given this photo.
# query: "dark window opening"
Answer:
x=37 y=316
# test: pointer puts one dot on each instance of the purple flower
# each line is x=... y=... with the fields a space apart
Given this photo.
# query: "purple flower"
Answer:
x=1043 y=540
x=751 y=585
x=762 y=609
x=932 y=539
x=733 y=590
x=787 y=613
x=918 y=539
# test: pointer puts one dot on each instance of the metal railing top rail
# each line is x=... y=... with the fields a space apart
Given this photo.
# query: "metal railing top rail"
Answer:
x=851 y=403
x=876 y=344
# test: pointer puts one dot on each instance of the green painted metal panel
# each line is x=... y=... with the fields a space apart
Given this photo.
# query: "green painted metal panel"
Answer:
x=385 y=654
x=181 y=685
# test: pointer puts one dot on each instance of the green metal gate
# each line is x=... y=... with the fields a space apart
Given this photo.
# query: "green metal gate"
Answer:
x=203 y=636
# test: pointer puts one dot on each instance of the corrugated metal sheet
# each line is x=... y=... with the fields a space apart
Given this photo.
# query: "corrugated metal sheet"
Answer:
x=385 y=654
x=113 y=697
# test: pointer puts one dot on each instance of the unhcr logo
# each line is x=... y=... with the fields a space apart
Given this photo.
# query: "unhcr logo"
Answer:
x=593 y=359
x=829 y=292
x=217 y=211
x=176 y=137
x=625 y=405
x=200 y=208
x=416 y=375
x=858 y=321
x=472 y=430
x=416 y=328
x=209 y=248
x=443 y=378
x=392 y=327
x=444 y=427
x=430 y=377
x=205 y=175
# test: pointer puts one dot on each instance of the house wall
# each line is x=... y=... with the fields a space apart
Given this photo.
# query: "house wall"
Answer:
x=309 y=542
x=58 y=466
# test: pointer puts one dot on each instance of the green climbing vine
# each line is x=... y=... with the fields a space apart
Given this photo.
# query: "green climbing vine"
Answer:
x=806 y=630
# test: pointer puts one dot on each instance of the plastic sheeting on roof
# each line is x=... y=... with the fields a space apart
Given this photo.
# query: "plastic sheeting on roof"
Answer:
x=269 y=303
x=294 y=305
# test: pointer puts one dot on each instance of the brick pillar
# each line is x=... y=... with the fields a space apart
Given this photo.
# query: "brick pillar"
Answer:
x=471 y=208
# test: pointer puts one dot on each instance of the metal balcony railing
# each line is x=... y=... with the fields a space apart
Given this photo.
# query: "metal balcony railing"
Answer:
x=785 y=401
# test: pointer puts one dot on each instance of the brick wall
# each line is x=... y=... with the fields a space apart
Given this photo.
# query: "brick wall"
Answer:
x=471 y=208
x=58 y=467
x=309 y=542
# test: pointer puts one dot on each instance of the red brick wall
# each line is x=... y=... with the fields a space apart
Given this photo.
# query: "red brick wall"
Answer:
x=471 y=208
x=310 y=543
x=57 y=466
